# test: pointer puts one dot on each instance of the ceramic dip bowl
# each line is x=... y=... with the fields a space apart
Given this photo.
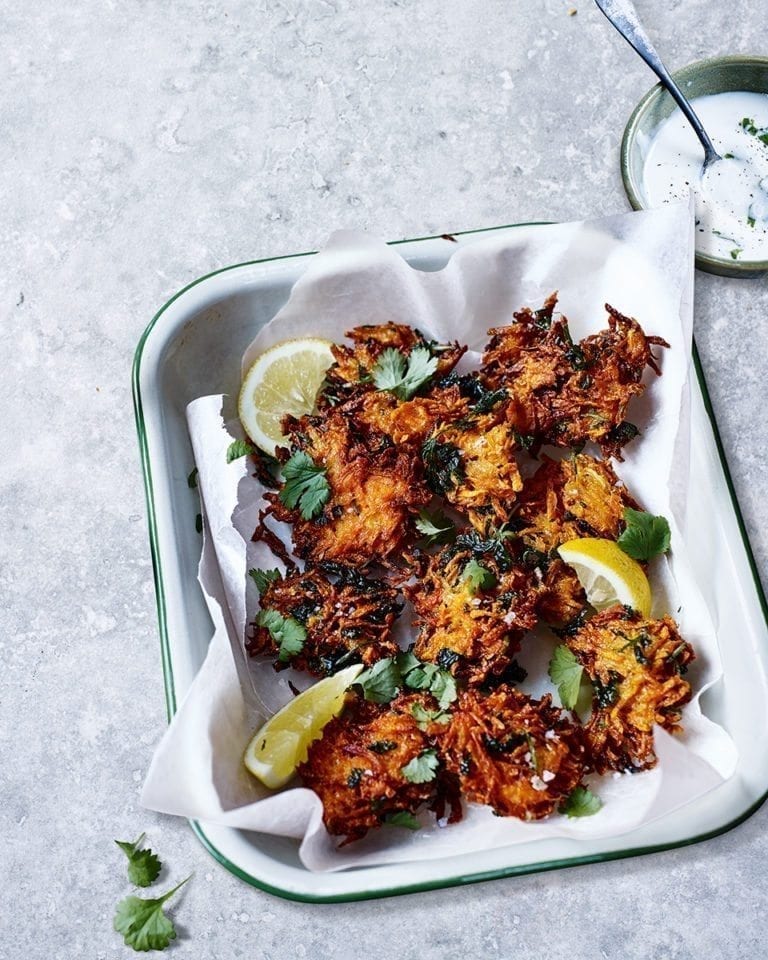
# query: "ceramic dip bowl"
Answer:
x=705 y=77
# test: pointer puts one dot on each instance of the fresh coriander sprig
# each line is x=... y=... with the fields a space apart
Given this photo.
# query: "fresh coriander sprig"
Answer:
x=381 y=682
x=477 y=576
x=239 y=448
x=263 y=578
x=306 y=486
x=288 y=634
x=403 y=377
x=580 y=802
x=435 y=527
x=142 y=922
x=565 y=672
x=422 y=768
x=143 y=865
x=402 y=818
x=644 y=536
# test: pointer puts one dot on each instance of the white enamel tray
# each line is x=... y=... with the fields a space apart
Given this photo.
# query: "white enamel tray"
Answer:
x=192 y=347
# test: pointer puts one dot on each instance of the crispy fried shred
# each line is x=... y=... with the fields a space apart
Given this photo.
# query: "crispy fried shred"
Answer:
x=578 y=496
x=567 y=393
x=636 y=668
x=479 y=626
x=520 y=756
x=357 y=767
x=348 y=618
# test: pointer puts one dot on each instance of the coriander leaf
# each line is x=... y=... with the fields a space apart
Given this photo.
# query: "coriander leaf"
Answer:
x=565 y=672
x=263 y=578
x=239 y=448
x=422 y=366
x=143 y=865
x=435 y=527
x=735 y=253
x=143 y=924
x=192 y=479
x=443 y=688
x=645 y=536
x=389 y=370
x=403 y=818
x=580 y=802
x=421 y=769
x=424 y=717
x=406 y=662
x=751 y=221
x=403 y=378
x=381 y=682
x=421 y=676
x=306 y=486
x=478 y=576
x=287 y=633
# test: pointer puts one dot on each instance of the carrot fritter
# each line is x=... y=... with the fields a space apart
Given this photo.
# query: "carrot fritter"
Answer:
x=346 y=621
x=564 y=393
x=473 y=606
x=578 y=496
x=408 y=421
x=351 y=372
x=635 y=666
x=520 y=756
x=375 y=489
x=357 y=767
x=471 y=462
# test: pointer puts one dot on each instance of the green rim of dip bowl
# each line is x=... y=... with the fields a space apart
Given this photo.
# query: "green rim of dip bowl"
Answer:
x=699 y=79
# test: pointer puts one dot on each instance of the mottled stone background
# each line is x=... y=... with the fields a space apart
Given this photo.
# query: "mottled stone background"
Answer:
x=144 y=143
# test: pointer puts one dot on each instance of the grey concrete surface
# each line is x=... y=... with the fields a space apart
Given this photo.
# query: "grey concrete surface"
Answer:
x=144 y=143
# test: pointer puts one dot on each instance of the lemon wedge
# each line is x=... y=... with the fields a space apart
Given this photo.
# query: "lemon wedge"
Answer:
x=607 y=574
x=284 y=379
x=282 y=743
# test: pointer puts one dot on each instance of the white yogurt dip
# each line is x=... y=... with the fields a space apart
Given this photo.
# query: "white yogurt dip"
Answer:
x=732 y=196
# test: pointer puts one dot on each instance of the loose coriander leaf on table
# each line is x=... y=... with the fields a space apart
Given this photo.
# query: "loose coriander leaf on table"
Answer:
x=143 y=924
x=478 y=576
x=381 y=682
x=580 y=802
x=305 y=487
x=423 y=768
x=287 y=633
x=644 y=536
x=565 y=672
x=435 y=527
x=263 y=578
x=239 y=448
x=143 y=865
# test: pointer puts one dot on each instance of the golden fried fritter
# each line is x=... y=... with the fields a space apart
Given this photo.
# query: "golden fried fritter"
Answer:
x=578 y=496
x=520 y=756
x=473 y=605
x=351 y=372
x=408 y=421
x=635 y=666
x=471 y=462
x=357 y=767
x=375 y=489
x=569 y=394
x=346 y=621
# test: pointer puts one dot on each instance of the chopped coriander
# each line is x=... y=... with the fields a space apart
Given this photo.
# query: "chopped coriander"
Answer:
x=381 y=682
x=751 y=221
x=143 y=924
x=143 y=865
x=422 y=768
x=735 y=253
x=727 y=156
x=477 y=576
x=443 y=465
x=306 y=486
x=192 y=479
x=287 y=633
x=565 y=672
x=435 y=527
x=645 y=535
x=580 y=802
x=239 y=448
x=427 y=676
x=263 y=578
x=402 y=818
x=404 y=377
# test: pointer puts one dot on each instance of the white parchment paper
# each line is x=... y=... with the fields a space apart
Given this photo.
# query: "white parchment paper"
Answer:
x=641 y=263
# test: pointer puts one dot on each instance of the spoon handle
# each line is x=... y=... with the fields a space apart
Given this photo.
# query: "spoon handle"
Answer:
x=623 y=16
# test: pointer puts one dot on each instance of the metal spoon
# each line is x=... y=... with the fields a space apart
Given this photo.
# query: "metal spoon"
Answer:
x=623 y=16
